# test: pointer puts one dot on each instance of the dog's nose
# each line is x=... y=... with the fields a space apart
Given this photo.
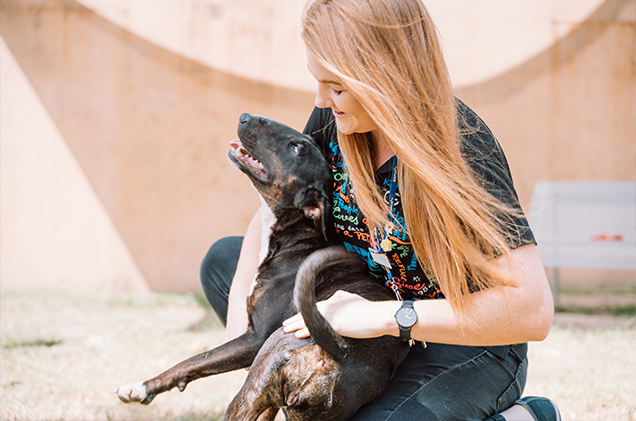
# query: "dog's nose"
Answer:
x=245 y=118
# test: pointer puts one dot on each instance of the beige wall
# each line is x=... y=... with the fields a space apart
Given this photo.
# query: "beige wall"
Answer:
x=149 y=130
x=116 y=116
x=569 y=112
x=49 y=209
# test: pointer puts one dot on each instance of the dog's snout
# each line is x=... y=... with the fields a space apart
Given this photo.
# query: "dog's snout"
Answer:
x=245 y=118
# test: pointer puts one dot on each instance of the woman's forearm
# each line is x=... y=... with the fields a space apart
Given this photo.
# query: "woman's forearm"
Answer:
x=243 y=279
x=498 y=316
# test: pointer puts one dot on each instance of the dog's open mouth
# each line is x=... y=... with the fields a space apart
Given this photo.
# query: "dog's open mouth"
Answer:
x=242 y=156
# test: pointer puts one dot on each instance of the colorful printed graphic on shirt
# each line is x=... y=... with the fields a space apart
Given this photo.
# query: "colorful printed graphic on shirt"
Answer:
x=385 y=252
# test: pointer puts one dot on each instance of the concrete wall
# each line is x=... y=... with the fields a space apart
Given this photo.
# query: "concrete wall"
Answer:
x=116 y=116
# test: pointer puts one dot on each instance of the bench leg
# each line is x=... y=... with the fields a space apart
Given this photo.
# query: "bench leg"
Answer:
x=554 y=284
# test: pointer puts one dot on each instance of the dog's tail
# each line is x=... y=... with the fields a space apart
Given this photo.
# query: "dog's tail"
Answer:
x=305 y=297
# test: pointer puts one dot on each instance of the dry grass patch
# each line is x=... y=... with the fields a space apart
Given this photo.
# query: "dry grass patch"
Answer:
x=587 y=365
x=63 y=355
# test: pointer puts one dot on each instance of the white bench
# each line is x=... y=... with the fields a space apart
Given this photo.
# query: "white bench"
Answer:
x=584 y=225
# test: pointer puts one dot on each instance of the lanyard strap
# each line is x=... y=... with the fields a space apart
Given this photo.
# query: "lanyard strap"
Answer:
x=390 y=217
x=392 y=189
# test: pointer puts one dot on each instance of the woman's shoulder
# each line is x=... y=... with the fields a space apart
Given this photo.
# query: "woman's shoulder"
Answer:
x=477 y=140
x=487 y=160
x=479 y=146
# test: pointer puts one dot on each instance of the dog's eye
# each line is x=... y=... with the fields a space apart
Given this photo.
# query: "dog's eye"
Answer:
x=294 y=147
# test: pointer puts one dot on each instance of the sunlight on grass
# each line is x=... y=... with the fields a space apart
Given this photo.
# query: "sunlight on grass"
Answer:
x=73 y=350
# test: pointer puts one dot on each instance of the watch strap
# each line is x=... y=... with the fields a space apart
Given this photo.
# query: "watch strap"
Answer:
x=405 y=333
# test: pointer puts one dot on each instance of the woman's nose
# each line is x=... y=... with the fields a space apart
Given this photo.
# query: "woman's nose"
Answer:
x=322 y=99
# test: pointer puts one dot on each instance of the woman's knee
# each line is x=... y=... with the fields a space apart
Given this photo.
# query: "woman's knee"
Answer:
x=217 y=271
x=223 y=254
x=221 y=259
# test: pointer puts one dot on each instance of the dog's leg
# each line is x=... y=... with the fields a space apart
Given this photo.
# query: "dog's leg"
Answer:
x=253 y=402
x=262 y=391
x=234 y=355
x=258 y=410
x=265 y=317
x=268 y=415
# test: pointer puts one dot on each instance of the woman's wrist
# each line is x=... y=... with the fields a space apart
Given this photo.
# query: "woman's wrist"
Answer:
x=386 y=311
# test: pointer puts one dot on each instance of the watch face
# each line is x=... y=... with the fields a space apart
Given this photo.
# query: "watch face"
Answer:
x=406 y=317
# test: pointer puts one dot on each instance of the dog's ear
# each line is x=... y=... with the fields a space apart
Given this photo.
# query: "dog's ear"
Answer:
x=315 y=204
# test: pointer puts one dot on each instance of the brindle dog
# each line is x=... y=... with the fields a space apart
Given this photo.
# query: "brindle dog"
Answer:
x=326 y=376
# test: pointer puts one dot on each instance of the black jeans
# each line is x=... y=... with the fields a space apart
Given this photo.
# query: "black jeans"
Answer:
x=217 y=271
x=439 y=382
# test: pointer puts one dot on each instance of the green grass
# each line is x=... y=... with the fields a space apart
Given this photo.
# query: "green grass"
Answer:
x=599 y=289
x=12 y=343
x=628 y=310
x=55 y=299
x=191 y=416
x=609 y=300
x=200 y=299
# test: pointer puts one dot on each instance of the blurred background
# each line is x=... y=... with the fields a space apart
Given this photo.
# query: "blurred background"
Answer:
x=116 y=117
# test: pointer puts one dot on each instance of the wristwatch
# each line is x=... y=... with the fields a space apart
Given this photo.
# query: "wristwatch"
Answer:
x=406 y=317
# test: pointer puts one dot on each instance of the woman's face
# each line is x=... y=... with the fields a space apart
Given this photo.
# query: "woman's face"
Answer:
x=350 y=116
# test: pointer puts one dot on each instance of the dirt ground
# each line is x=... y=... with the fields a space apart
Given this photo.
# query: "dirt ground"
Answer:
x=63 y=355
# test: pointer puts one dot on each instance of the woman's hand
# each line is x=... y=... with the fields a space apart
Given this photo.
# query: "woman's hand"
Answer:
x=351 y=316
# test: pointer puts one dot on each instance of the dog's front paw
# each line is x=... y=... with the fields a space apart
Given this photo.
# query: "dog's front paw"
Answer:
x=134 y=392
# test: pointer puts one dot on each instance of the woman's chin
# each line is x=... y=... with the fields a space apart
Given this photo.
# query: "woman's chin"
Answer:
x=345 y=128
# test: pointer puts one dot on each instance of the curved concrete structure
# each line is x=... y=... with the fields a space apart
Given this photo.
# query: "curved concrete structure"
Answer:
x=116 y=116
x=259 y=40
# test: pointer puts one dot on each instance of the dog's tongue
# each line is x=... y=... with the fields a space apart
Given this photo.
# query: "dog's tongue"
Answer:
x=238 y=147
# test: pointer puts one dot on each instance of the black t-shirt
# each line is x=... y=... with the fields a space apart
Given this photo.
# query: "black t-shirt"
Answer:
x=483 y=154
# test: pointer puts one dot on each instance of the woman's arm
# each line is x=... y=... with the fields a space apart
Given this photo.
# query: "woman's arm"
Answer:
x=497 y=316
x=243 y=278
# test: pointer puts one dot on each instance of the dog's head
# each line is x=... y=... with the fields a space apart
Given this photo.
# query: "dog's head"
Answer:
x=285 y=166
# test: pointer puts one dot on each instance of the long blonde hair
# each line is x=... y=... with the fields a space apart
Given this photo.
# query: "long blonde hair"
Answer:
x=388 y=55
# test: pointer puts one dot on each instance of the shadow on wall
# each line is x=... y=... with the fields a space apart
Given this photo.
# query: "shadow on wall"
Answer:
x=150 y=130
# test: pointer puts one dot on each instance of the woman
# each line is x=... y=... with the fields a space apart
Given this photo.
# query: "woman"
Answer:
x=424 y=195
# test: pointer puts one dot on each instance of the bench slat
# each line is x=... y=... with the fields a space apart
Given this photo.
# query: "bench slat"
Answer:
x=585 y=224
